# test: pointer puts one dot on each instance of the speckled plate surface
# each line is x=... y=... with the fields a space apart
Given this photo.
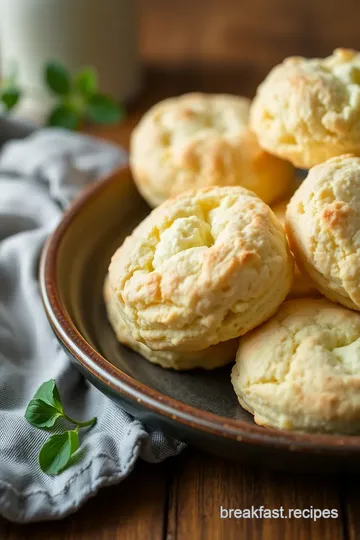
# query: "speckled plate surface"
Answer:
x=197 y=406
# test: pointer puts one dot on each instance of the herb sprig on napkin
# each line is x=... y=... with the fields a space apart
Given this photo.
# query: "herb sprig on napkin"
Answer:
x=42 y=412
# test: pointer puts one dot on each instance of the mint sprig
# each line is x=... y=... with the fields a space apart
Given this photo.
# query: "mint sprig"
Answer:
x=42 y=412
x=79 y=99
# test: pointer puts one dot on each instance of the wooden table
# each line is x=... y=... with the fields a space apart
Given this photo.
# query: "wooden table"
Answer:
x=180 y=499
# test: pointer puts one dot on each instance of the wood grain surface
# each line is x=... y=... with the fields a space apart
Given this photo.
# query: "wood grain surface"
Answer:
x=239 y=32
x=181 y=499
x=202 y=484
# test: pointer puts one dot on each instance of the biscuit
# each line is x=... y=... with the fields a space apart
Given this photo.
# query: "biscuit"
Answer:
x=301 y=369
x=302 y=285
x=279 y=208
x=323 y=224
x=202 y=268
x=202 y=140
x=308 y=110
x=210 y=358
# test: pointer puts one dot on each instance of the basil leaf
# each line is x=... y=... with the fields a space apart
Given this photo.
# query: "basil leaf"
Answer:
x=104 y=110
x=41 y=414
x=55 y=454
x=9 y=97
x=57 y=78
x=64 y=116
x=86 y=81
x=48 y=393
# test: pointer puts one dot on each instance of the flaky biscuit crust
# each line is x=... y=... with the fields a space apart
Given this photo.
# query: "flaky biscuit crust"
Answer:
x=301 y=369
x=202 y=268
x=210 y=358
x=302 y=285
x=201 y=140
x=308 y=110
x=323 y=227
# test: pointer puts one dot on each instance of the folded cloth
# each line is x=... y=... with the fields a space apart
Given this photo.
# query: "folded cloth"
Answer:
x=39 y=176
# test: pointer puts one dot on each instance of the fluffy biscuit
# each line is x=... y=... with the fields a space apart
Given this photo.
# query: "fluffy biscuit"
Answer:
x=323 y=227
x=202 y=268
x=301 y=369
x=201 y=140
x=210 y=358
x=308 y=110
x=302 y=285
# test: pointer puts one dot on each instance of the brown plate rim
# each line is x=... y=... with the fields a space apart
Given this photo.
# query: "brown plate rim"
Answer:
x=132 y=389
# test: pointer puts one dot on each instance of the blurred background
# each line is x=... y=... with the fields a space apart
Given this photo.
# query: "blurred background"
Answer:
x=230 y=45
x=146 y=50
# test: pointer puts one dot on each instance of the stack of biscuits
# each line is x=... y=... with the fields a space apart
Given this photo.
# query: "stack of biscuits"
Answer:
x=241 y=261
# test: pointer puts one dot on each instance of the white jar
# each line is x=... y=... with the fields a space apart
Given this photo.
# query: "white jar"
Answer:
x=98 y=33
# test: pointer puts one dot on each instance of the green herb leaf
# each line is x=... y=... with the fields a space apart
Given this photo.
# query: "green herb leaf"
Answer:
x=9 y=97
x=55 y=454
x=64 y=116
x=86 y=81
x=57 y=78
x=45 y=407
x=49 y=393
x=104 y=110
x=41 y=414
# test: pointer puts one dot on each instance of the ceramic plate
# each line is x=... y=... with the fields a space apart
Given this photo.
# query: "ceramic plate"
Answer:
x=196 y=406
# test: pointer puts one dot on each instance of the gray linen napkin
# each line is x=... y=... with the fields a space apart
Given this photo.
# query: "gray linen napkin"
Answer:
x=39 y=176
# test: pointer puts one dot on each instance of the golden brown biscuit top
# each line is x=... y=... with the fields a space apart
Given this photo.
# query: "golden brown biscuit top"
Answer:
x=308 y=329
x=305 y=101
x=201 y=140
x=193 y=268
x=330 y=87
x=199 y=114
x=187 y=142
x=301 y=369
x=324 y=216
